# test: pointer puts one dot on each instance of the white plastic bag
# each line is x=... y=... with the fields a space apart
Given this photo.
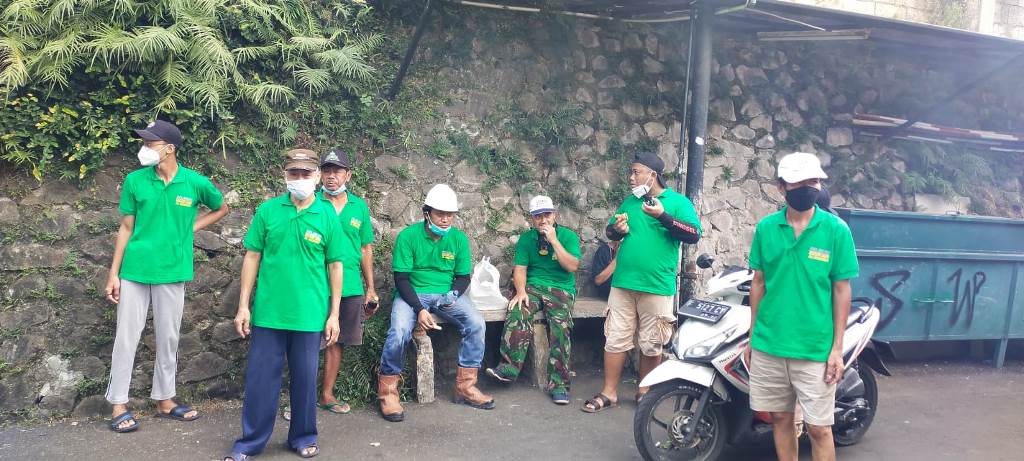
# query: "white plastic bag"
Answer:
x=484 y=291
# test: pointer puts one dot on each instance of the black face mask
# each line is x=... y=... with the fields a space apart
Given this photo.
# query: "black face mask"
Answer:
x=802 y=198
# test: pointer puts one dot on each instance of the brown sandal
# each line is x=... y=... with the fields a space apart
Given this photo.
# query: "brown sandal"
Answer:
x=598 y=403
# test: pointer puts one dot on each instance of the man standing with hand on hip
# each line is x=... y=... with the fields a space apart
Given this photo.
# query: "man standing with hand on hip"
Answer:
x=151 y=263
x=651 y=224
x=294 y=250
x=803 y=259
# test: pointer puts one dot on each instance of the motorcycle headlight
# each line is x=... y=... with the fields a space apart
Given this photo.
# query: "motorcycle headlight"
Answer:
x=708 y=346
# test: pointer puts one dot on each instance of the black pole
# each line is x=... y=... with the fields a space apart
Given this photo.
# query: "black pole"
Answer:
x=421 y=25
x=697 y=131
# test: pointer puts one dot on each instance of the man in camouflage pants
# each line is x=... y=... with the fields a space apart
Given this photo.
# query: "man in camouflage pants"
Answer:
x=546 y=258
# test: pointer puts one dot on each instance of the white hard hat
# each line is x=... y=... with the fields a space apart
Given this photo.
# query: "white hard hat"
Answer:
x=800 y=166
x=541 y=204
x=442 y=198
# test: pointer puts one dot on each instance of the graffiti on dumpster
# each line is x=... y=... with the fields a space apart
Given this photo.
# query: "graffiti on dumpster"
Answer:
x=964 y=302
x=887 y=284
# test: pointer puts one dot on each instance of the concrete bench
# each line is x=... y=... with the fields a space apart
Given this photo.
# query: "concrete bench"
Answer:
x=537 y=355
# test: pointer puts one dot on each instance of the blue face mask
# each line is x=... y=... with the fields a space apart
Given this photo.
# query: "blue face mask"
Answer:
x=341 y=190
x=437 y=230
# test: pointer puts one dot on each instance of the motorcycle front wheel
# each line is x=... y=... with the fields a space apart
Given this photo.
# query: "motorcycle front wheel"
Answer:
x=662 y=417
x=848 y=434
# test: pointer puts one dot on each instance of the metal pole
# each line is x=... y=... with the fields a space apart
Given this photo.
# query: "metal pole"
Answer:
x=697 y=132
x=421 y=25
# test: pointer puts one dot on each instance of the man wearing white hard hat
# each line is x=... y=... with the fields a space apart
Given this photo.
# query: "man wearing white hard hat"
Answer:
x=546 y=258
x=431 y=264
x=803 y=259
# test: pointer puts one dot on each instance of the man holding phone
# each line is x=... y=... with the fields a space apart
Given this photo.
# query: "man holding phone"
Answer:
x=650 y=223
x=354 y=220
x=431 y=263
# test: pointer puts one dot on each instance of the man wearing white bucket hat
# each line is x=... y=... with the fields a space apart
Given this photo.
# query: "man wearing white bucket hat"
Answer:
x=803 y=259
x=546 y=258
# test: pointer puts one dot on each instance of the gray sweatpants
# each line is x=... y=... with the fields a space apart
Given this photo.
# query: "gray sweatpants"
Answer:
x=168 y=301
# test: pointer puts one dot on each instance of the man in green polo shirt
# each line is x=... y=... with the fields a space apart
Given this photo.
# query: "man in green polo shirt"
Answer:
x=354 y=219
x=803 y=259
x=431 y=263
x=294 y=251
x=651 y=224
x=546 y=259
x=151 y=263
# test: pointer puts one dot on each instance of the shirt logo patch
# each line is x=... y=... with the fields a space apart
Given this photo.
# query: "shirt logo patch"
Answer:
x=818 y=254
x=183 y=201
x=356 y=223
x=313 y=237
x=447 y=255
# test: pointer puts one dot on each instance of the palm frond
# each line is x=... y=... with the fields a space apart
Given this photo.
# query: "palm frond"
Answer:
x=111 y=44
x=312 y=79
x=346 y=61
x=12 y=59
x=266 y=92
x=251 y=53
x=155 y=42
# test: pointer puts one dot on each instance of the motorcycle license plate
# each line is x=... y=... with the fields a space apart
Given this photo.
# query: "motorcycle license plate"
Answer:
x=704 y=310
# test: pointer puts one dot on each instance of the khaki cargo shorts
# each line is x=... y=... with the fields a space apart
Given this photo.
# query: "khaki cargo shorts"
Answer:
x=778 y=384
x=629 y=309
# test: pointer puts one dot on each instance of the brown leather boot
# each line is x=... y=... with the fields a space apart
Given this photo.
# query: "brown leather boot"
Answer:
x=387 y=394
x=466 y=391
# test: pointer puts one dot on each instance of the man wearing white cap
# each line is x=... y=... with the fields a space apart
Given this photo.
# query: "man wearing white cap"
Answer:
x=546 y=258
x=431 y=263
x=803 y=259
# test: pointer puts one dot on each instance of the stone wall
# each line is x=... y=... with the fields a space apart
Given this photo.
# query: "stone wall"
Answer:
x=486 y=70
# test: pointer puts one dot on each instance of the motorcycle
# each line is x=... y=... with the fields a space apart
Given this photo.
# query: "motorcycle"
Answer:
x=699 y=399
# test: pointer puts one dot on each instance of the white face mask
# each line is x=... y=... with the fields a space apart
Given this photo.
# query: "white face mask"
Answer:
x=301 y=188
x=148 y=156
x=641 y=190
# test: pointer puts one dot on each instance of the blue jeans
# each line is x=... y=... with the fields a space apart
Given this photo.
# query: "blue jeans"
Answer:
x=462 y=315
x=267 y=354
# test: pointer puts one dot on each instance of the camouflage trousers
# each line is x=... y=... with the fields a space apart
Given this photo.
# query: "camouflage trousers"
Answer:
x=557 y=307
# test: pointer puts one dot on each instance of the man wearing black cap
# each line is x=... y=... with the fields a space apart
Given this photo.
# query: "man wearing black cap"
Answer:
x=151 y=263
x=358 y=295
x=650 y=224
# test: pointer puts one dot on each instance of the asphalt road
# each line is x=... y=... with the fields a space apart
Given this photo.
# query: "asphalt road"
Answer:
x=929 y=411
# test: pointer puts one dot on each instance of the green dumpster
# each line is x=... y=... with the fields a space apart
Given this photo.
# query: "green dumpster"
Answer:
x=939 y=277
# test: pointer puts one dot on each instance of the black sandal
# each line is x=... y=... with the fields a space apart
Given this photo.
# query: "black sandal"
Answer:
x=598 y=403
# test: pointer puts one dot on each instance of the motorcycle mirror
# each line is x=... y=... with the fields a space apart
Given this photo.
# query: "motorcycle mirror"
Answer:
x=705 y=261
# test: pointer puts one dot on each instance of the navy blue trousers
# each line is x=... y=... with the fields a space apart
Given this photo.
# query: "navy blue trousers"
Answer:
x=267 y=354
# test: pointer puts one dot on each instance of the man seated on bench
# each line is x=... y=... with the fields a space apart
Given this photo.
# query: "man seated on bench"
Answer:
x=545 y=260
x=431 y=262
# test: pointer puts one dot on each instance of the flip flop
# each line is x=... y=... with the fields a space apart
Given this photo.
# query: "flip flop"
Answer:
x=178 y=413
x=597 y=403
x=116 y=422
x=304 y=454
x=343 y=408
x=236 y=456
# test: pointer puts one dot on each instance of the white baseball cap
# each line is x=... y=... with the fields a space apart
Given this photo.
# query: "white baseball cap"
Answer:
x=541 y=204
x=800 y=166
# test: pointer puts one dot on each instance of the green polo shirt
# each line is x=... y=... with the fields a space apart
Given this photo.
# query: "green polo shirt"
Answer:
x=794 y=319
x=432 y=265
x=358 y=231
x=160 y=248
x=544 y=270
x=648 y=257
x=292 y=290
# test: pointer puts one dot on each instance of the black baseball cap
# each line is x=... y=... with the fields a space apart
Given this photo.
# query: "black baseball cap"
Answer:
x=652 y=161
x=160 y=130
x=337 y=157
